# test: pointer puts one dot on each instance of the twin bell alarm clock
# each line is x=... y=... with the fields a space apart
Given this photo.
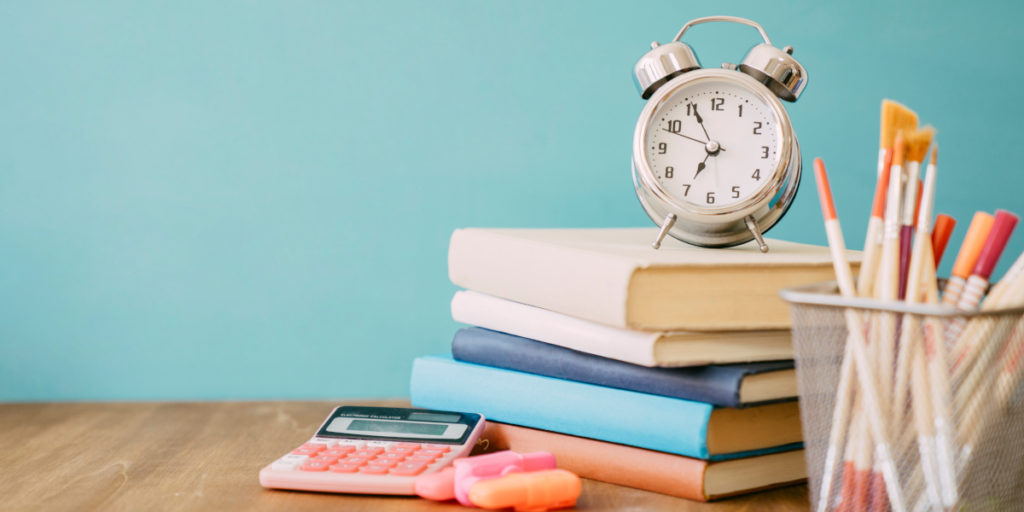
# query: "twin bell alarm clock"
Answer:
x=715 y=159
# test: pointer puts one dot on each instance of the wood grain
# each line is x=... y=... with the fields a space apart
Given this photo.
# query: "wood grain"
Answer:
x=206 y=456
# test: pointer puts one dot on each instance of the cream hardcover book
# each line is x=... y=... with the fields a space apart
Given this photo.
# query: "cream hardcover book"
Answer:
x=614 y=277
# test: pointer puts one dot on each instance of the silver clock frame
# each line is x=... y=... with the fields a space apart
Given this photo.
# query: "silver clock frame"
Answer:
x=727 y=225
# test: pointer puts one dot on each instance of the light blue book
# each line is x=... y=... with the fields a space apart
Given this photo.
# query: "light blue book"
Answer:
x=672 y=425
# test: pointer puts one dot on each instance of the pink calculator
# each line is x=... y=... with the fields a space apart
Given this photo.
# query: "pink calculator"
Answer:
x=375 y=450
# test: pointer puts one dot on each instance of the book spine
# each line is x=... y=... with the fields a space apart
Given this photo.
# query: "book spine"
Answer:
x=482 y=310
x=626 y=417
x=714 y=385
x=591 y=285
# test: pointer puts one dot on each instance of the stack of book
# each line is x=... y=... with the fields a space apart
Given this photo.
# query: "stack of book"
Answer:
x=668 y=370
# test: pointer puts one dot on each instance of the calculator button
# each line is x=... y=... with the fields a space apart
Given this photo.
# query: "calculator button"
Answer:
x=404 y=451
x=324 y=457
x=339 y=451
x=408 y=469
x=305 y=451
x=345 y=468
x=374 y=470
x=407 y=446
x=289 y=462
x=438 y=447
x=383 y=463
x=359 y=461
x=315 y=446
x=434 y=453
x=368 y=452
x=315 y=466
x=395 y=456
x=427 y=459
x=378 y=444
x=356 y=444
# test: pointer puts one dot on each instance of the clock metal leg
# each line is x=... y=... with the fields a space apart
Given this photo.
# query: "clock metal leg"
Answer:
x=752 y=226
x=666 y=225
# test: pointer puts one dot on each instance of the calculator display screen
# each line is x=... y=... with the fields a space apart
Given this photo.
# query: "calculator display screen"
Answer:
x=399 y=424
x=398 y=427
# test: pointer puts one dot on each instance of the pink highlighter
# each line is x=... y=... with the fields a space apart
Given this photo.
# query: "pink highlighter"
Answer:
x=456 y=481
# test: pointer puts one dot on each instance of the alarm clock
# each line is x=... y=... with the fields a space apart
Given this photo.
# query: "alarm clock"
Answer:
x=715 y=159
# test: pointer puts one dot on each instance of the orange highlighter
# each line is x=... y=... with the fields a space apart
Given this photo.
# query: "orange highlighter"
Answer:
x=535 y=491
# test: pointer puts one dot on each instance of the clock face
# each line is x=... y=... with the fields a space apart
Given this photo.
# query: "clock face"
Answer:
x=712 y=143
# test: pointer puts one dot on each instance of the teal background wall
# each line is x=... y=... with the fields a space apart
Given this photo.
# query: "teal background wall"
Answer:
x=208 y=200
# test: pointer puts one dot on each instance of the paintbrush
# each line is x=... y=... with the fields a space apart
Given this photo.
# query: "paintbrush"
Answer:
x=895 y=119
x=917 y=148
x=884 y=324
x=876 y=421
x=910 y=363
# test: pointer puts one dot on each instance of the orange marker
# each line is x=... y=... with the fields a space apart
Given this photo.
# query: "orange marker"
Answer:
x=533 y=491
x=977 y=233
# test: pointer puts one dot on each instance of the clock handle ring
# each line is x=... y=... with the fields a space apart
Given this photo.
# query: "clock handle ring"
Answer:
x=732 y=19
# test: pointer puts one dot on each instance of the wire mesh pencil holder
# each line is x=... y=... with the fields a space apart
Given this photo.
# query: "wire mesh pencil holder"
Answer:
x=937 y=420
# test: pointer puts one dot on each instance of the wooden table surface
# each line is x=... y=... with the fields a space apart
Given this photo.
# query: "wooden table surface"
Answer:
x=206 y=456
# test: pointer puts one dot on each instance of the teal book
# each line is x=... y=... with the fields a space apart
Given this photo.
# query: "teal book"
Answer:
x=664 y=424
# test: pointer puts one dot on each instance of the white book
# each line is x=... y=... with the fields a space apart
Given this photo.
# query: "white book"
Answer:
x=614 y=277
x=637 y=347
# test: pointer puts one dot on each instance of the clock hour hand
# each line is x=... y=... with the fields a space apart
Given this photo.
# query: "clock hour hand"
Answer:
x=700 y=121
x=701 y=165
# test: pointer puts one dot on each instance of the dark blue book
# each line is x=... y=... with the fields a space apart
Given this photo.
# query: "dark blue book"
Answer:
x=732 y=385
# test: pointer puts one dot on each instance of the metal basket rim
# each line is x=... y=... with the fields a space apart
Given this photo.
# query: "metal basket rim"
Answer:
x=825 y=294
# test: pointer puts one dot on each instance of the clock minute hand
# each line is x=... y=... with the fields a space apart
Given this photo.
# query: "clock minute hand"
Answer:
x=685 y=136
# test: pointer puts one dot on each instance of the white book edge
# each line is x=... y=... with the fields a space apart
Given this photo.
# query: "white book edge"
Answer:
x=474 y=308
x=592 y=285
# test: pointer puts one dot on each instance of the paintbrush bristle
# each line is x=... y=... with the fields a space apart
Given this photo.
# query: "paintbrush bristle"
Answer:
x=895 y=117
x=917 y=142
x=898 y=147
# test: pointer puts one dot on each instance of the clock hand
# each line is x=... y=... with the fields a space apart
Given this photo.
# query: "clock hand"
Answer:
x=685 y=136
x=700 y=121
x=701 y=165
